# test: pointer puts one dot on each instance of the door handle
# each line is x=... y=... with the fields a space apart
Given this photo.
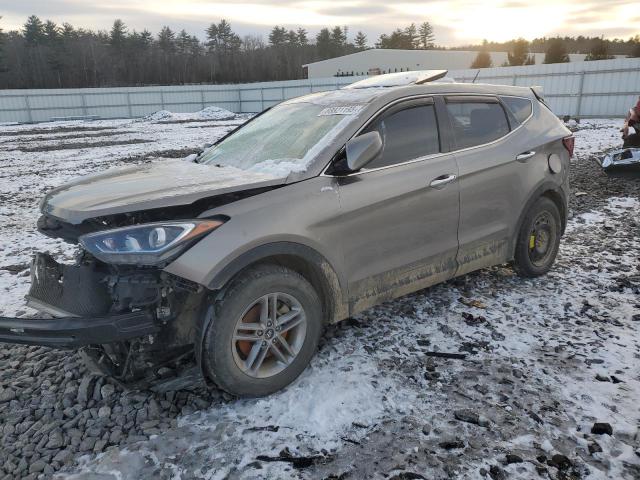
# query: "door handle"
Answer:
x=442 y=180
x=523 y=157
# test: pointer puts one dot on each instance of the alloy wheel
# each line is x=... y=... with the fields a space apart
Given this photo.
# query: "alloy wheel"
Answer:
x=269 y=335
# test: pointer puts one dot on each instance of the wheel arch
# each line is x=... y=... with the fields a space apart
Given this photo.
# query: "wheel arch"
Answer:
x=554 y=193
x=304 y=260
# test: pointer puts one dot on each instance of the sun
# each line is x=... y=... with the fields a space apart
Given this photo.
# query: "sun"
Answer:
x=473 y=20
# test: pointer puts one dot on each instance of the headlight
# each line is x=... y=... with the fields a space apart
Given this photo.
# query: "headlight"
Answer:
x=148 y=244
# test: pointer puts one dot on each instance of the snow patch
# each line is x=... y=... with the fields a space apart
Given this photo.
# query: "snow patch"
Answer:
x=159 y=115
x=278 y=168
x=207 y=113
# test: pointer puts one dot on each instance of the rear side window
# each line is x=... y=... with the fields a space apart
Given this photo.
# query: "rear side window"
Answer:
x=406 y=135
x=476 y=123
x=520 y=108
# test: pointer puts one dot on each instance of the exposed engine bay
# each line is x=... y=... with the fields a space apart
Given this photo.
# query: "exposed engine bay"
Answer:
x=90 y=288
x=133 y=321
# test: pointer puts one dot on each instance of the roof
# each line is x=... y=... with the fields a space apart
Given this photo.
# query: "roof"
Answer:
x=409 y=58
x=417 y=77
x=346 y=96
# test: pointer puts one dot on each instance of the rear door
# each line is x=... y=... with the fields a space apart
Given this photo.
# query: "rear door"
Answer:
x=495 y=159
x=399 y=216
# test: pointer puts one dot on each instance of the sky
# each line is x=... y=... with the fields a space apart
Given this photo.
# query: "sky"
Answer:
x=456 y=22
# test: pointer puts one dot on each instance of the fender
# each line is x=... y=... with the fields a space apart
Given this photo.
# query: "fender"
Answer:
x=533 y=197
x=335 y=287
x=269 y=250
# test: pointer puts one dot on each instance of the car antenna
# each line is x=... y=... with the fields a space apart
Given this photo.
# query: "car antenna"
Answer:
x=476 y=77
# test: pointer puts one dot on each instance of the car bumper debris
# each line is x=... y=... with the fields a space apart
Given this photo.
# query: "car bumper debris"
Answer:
x=623 y=159
x=71 y=332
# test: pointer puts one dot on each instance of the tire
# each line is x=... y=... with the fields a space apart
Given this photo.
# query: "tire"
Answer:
x=231 y=363
x=538 y=239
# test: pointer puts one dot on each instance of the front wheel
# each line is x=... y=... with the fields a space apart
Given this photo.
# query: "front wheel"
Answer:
x=538 y=240
x=263 y=333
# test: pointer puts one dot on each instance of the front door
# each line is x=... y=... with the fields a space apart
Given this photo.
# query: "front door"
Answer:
x=399 y=215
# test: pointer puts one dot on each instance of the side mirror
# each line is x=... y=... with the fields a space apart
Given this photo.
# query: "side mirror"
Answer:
x=362 y=149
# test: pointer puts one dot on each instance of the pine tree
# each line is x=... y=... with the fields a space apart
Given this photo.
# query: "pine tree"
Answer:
x=183 y=43
x=338 y=39
x=398 y=39
x=54 y=52
x=51 y=32
x=278 y=36
x=360 y=41
x=167 y=41
x=221 y=38
x=599 y=51
x=519 y=54
x=413 y=39
x=303 y=38
x=292 y=38
x=33 y=31
x=556 y=52
x=482 y=60
x=427 y=38
x=68 y=33
x=3 y=66
x=146 y=39
x=118 y=35
x=323 y=44
x=635 y=49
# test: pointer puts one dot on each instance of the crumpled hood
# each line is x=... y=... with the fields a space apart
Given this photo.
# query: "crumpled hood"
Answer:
x=148 y=186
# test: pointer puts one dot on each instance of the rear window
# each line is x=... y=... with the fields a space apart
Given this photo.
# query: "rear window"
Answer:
x=406 y=135
x=476 y=123
x=520 y=108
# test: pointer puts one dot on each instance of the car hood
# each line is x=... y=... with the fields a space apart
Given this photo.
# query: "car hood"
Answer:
x=148 y=186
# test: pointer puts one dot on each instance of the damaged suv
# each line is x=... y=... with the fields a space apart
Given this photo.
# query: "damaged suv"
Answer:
x=227 y=268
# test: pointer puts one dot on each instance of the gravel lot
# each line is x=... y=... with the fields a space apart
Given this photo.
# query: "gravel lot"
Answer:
x=546 y=385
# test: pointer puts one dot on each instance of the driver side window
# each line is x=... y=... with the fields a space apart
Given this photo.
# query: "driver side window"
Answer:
x=406 y=134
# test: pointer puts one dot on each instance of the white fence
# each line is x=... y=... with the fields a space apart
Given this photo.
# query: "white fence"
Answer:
x=581 y=89
x=130 y=102
x=606 y=88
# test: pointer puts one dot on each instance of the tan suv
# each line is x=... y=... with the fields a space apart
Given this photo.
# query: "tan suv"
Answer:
x=229 y=267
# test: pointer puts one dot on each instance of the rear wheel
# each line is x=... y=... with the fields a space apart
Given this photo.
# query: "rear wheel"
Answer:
x=538 y=240
x=264 y=332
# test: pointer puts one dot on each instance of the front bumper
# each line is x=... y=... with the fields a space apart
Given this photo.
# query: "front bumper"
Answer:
x=73 y=332
x=78 y=296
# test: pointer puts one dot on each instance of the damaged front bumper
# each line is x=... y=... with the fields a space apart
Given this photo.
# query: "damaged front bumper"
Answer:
x=73 y=332
x=78 y=295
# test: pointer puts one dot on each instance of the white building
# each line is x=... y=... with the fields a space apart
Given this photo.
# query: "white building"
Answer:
x=376 y=61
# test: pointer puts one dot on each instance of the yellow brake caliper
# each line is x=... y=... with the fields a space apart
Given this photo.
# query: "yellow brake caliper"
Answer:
x=532 y=242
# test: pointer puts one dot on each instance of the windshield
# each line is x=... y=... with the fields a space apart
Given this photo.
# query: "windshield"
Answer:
x=282 y=140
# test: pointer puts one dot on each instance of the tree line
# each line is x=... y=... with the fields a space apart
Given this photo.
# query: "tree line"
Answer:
x=43 y=54
x=556 y=50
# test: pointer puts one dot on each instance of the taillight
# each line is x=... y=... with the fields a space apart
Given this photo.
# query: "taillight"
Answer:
x=569 y=143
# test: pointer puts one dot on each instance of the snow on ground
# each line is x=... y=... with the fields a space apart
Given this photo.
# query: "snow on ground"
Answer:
x=545 y=358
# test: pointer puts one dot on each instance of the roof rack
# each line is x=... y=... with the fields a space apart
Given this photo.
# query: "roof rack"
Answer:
x=416 y=77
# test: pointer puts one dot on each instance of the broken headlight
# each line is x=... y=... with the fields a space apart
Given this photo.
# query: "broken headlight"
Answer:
x=148 y=244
